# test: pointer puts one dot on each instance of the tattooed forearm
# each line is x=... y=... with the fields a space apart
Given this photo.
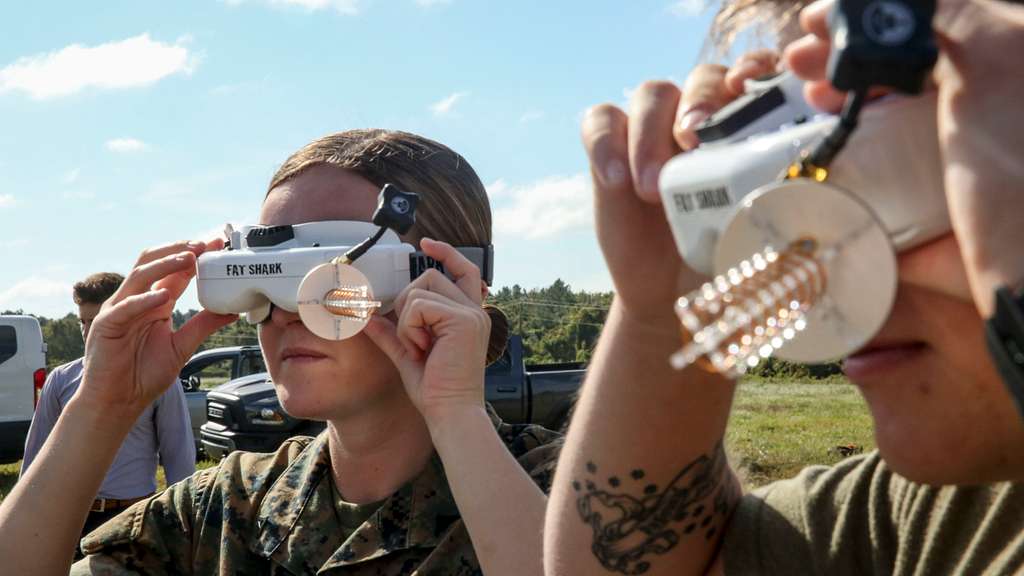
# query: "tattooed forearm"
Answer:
x=629 y=529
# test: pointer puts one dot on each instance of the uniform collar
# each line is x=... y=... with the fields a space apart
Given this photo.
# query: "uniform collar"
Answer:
x=297 y=526
x=301 y=486
x=419 y=515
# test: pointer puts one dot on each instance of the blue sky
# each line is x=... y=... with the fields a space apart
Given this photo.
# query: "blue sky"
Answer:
x=129 y=124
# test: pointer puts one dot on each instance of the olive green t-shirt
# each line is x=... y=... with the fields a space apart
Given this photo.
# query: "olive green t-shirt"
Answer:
x=351 y=516
x=858 y=517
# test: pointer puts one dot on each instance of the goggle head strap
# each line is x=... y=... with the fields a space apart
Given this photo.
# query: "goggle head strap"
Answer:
x=481 y=256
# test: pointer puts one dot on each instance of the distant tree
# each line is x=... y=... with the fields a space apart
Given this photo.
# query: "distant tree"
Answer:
x=557 y=324
x=63 y=339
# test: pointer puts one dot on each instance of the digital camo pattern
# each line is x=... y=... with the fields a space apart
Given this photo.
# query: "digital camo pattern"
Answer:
x=274 y=514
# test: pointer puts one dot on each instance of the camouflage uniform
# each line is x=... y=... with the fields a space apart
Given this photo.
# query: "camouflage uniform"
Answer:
x=275 y=514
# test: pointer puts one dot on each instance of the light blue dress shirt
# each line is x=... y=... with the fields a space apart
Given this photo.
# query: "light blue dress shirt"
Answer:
x=163 y=429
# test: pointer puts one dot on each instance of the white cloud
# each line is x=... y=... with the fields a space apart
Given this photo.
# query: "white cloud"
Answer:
x=6 y=200
x=72 y=176
x=347 y=7
x=531 y=116
x=430 y=3
x=497 y=189
x=134 y=62
x=125 y=145
x=547 y=207
x=687 y=8
x=38 y=295
x=446 y=106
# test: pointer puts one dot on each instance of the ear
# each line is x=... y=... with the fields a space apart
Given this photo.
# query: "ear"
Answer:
x=484 y=291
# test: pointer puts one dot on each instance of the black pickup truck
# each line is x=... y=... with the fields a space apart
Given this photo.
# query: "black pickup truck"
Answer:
x=244 y=414
x=210 y=368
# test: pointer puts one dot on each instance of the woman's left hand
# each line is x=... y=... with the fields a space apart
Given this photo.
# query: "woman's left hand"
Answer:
x=439 y=342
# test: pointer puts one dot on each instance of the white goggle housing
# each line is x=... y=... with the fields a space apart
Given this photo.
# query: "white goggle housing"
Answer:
x=293 y=267
x=884 y=194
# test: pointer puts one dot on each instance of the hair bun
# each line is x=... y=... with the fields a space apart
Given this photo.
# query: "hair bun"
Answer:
x=499 y=333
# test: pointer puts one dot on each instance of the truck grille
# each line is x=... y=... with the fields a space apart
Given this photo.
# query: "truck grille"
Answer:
x=220 y=413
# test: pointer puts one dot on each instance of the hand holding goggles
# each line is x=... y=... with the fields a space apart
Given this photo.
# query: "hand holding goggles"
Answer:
x=801 y=215
x=334 y=274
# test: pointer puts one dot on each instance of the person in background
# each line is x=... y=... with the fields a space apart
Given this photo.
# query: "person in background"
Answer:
x=643 y=485
x=162 y=430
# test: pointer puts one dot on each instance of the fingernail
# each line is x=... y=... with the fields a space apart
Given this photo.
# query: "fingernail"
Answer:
x=692 y=119
x=614 y=173
x=649 y=179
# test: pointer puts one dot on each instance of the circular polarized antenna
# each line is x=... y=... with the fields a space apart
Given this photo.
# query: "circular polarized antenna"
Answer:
x=320 y=289
x=858 y=257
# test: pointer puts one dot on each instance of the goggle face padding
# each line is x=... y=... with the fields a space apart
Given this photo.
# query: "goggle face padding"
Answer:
x=297 y=268
x=732 y=216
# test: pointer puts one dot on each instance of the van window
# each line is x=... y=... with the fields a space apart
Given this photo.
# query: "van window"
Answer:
x=8 y=343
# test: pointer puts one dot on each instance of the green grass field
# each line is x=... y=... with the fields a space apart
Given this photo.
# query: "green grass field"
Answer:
x=777 y=428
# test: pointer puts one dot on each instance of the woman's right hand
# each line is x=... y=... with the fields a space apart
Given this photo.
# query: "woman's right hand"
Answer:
x=627 y=153
x=133 y=353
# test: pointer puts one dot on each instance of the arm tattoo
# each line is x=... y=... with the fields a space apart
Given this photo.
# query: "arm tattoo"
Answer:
x=627 y=529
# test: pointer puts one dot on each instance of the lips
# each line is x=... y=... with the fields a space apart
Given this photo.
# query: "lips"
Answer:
x=877 y=359
x=301 y=354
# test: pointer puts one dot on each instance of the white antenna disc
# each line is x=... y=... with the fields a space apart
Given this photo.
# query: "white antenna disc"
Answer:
x=860 y=275
x=312 y=295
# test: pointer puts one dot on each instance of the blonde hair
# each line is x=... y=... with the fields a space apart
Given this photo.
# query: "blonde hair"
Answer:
x=735 y=17
x=453 y=203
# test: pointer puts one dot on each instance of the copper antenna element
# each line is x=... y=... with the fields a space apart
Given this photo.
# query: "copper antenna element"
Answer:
x=350 y=302
x=743 y=316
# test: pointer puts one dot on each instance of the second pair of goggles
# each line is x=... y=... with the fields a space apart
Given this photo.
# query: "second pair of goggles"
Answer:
x=334 y=274
x=857 y=188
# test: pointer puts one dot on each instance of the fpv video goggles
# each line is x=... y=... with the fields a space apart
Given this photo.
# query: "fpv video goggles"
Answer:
x=334 y=274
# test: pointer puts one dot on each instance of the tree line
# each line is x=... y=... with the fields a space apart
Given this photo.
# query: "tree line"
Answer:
x=556 y=323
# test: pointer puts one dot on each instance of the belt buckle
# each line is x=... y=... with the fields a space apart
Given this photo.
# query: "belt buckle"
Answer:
x=103 y=505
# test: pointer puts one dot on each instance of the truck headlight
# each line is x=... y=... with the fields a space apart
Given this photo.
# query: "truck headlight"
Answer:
x=264 y=415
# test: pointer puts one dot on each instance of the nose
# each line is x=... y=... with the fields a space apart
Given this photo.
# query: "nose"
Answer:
x=936 y=266
x=282 y=318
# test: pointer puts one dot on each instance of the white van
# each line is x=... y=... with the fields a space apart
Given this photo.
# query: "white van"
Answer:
x=22 y=374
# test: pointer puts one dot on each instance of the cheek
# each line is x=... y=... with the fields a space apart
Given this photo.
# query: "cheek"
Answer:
x=936 y=266
x=269 y=336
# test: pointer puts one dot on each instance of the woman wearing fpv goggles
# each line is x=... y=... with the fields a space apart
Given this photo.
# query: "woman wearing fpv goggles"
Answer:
x=412 y=474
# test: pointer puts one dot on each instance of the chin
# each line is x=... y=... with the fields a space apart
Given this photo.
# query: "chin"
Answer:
x=302 y=405
x=942 y=427
x=941 y=413
x=321 y=394
x=961 y=465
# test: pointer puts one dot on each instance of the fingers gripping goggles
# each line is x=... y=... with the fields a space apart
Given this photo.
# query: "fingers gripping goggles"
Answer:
x=800 y=216
x=334 y=274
